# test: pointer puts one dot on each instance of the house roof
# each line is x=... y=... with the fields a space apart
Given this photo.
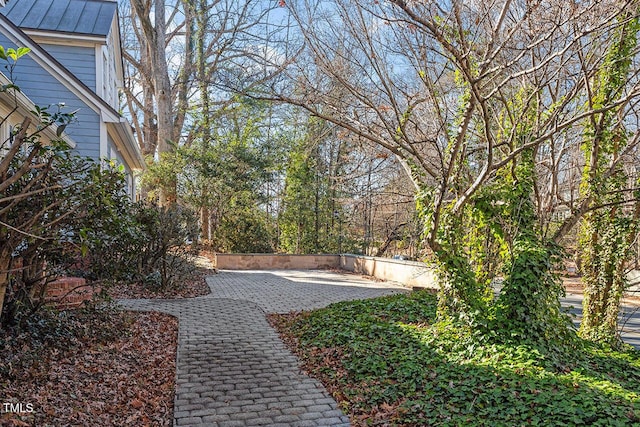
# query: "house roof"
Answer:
x=90 y=17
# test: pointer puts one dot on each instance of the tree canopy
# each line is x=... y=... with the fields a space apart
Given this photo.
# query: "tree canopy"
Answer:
x=512 y=122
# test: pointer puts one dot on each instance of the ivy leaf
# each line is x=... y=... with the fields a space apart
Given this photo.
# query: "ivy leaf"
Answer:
x=22 y=51
x=11 y=53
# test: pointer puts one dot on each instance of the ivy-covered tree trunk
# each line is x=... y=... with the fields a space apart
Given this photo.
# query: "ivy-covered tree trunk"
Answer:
x=607 y=231
x=461 y=296
x=497 y=236
x=605 y=244
x=528 y=307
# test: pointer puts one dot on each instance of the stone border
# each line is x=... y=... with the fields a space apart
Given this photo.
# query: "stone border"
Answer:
x=274 y=261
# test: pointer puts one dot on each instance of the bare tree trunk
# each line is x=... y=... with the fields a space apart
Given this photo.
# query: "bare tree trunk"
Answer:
x=155 y=41
x=5 y=265
x=391 y=237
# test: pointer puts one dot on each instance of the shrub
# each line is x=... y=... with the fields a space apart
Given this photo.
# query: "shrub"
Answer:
x=149 y=244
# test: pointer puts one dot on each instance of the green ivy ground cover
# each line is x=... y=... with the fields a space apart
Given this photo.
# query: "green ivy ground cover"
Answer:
x=388 y=363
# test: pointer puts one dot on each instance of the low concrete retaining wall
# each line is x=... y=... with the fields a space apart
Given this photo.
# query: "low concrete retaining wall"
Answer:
x=409 y=273
x=274 y=261
x=634 y=282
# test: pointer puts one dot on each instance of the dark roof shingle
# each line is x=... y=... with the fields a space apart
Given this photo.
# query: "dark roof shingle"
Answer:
x=90 y=17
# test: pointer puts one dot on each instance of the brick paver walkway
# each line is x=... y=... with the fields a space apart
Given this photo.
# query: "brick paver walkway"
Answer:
x=232 y=368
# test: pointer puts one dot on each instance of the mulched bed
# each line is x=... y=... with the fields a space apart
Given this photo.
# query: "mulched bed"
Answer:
x=103 y=368
x=194 y=286
x=96 y=366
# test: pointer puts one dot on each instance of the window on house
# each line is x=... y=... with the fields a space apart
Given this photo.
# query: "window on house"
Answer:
x=6 y=132
x=5 y=135
x=105 y=77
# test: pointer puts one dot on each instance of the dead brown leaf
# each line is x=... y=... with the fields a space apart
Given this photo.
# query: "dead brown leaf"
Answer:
x=102 y=384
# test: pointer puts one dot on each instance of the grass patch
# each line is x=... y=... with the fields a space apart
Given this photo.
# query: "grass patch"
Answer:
x=388 y=363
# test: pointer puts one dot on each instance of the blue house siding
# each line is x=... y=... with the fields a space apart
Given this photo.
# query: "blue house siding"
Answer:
x=43 y=89
x=112 y=153
x=81 y=61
